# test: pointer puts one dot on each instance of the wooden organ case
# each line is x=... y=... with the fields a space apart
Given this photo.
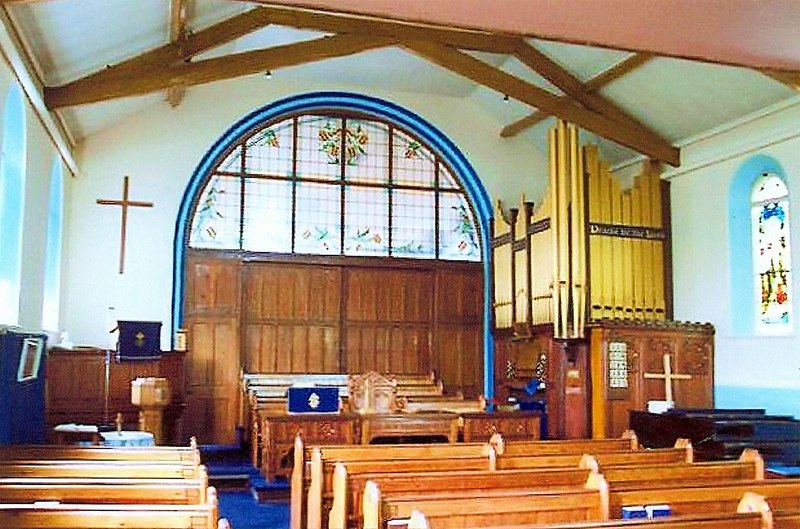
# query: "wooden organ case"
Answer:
x=589 y=264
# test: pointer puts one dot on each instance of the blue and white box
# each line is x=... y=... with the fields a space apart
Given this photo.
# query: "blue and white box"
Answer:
x=633 y=511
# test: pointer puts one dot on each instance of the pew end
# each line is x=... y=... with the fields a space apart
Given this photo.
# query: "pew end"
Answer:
x=686 y=444
x=752 y=502
x=752 y=455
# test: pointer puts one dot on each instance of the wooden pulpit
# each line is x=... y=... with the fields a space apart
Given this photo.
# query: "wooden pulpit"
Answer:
x=372 y=393
x=152 y=395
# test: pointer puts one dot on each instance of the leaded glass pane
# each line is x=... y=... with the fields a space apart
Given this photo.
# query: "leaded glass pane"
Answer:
x=412 y=163
x=318 y=218
x=414 y=224
x=768 y=187
x=366 y=221
x=458 y=237
x=772 y=256
x=318 y=147
x=217 y=217
x=446 y=179
x=232 y=163
x=269 y=151
x=367 y=152
x=267 y=215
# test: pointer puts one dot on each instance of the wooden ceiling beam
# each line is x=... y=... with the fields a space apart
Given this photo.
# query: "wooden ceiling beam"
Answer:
x=329 y=22
x=148 y=79
x=604 y=78
x=177 y=32
x=181 y=50
x=573 y=87
x=505 y=83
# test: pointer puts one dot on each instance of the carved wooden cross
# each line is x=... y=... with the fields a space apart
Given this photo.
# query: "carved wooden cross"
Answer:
x=124 y=204
x=668 y=377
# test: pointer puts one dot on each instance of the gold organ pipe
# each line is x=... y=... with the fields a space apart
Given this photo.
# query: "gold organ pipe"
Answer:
x=595 y=246
x=581 y=276
x=521 y=267
x=563 y=231
x=604 y=184
x=502 y=269
x=576 y=231
x=638 y=248
x=658 y=270
x=627 y=258
x=542 y=265
x=617 y=248
x=554 y=219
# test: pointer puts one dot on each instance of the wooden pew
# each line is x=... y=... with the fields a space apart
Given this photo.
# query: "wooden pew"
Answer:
x=418 y=457
x=781 y=494
x=112 y=516
x=682 y=453
x=486 y=508
x=626 y=442
x=157 y=454
x=749 y=467
x=104 y=490
x=348 y=488
x=100 y=469
x=787 y=519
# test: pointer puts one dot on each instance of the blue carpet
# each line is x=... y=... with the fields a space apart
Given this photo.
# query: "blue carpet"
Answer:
x=243 y=512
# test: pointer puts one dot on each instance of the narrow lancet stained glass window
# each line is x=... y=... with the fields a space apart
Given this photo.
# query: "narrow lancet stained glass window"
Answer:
x=332 y=184
x=771 y=255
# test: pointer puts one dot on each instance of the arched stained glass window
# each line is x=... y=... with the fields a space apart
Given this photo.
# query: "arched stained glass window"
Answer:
x=328 y=184
x=12 y=204
x=771 y=254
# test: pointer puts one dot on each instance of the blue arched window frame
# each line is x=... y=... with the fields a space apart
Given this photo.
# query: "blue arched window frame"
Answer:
x=369 y=106
x=52 y=260
x=12 y=204
x=740 y=246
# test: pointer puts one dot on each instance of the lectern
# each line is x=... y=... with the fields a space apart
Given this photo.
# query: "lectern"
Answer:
x=152 y=395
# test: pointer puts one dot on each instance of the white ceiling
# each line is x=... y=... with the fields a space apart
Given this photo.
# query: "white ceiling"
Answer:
x=677 y=98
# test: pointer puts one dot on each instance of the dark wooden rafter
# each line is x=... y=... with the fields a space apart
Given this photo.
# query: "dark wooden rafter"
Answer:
x=505 y=83
x=146 y=80
x=329 y=22
x=180 y=51
x=177 y=33
x=594 y=84
x=790 y=79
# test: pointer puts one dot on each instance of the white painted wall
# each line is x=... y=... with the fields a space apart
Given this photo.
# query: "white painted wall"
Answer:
x=701 y=254
x=161 y=147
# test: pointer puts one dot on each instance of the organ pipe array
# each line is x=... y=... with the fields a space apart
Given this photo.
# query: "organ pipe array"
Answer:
x=589 y=250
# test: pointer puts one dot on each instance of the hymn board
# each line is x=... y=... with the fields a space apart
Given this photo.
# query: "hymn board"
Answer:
x=582 y=281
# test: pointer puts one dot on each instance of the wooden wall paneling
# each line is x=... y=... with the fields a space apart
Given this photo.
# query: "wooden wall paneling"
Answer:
x=213 y=312
x=458 y=333
x=690 y=347
x=291 y=318
x=388 y=319
x=76 y=388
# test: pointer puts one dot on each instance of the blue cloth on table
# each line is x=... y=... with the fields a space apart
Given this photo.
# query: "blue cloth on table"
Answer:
x=128 y=438
x=313 y=400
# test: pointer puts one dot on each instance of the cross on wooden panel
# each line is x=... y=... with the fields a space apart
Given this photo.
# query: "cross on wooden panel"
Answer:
x=668 y=377
x=124 y=204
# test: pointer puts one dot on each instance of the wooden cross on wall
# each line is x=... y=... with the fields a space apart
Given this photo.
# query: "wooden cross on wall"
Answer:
x=668 y=377
x=124 y=204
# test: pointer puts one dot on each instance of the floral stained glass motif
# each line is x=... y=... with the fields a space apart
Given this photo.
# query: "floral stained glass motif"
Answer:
x=412 y=163
x=371 y=164
x=216 y=219
x=771 y=259
x=312 y=160
x=355 y=143
x=366 y=221
x=458 y=237
x=269 y=151
x=318 y=218
x=414 y=224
